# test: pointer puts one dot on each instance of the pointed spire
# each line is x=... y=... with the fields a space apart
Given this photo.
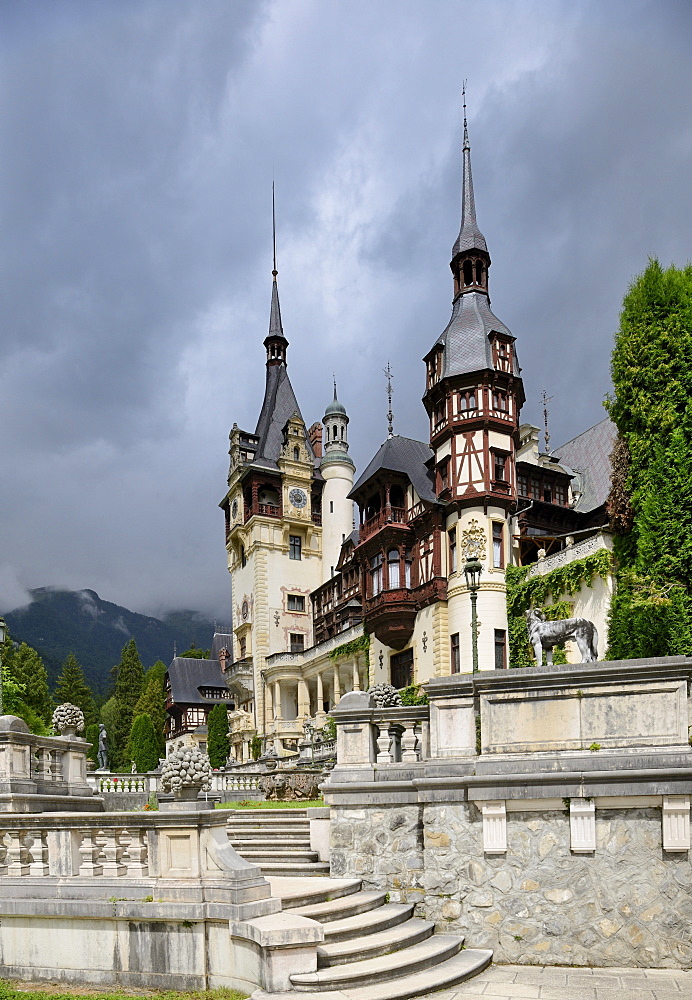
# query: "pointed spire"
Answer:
x=275 y=342
x=389 y=375
x=470 y=237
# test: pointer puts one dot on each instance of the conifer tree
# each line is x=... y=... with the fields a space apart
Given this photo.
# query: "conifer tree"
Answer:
x=651 y=614
x=218 y=745
x=128 y=688
x=151 y=702
x=129 y=676
x=72 y=687
x=91 y=735
x=142 y=745
x=14 y=700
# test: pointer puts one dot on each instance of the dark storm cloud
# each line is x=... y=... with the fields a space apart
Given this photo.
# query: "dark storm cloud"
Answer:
x=137 y=149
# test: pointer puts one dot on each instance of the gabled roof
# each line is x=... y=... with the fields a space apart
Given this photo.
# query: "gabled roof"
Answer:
x=187 y=676
x=279 y=406
x=588 y=454
x=221 y=640
x=405 y=455
x=466 y=338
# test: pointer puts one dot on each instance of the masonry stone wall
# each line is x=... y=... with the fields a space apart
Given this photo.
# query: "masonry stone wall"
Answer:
x=629 y=903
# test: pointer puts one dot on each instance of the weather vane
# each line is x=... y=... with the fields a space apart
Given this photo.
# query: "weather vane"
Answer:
x=390 y=416
x=545 y=399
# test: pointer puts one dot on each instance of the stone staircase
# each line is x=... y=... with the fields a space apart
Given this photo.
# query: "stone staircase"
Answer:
x=276 y=840
x=373 y=949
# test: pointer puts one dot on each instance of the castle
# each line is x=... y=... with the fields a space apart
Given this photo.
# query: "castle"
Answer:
x=338 y=585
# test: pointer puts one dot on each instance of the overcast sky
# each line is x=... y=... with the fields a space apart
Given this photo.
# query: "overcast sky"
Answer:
x=138 y=143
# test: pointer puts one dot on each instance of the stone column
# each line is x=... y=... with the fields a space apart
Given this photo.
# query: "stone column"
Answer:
x=337 y=686
x=277 y=699
x=303 y=698
x=356 y=675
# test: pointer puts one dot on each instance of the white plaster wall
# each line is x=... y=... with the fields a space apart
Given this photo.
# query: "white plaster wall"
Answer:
x=337 y=525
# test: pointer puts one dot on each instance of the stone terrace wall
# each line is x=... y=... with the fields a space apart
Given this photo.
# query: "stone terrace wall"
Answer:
x=627 y=904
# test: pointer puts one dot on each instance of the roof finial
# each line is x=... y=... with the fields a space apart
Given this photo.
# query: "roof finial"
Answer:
x=274 y=272
x=467 y=145
x=545 y=399
x=334 y=378
x=390 y=416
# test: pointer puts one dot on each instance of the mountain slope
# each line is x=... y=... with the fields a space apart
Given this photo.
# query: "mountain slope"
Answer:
x=58 y=622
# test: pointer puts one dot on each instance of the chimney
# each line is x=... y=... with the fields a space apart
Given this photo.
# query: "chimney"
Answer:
x=223 y=658
x=315 y=438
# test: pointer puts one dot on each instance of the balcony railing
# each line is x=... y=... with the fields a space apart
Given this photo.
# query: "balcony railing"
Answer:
x=390 y=515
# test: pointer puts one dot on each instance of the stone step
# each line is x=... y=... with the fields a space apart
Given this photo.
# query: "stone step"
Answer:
x=293 y=894
x=396 y=965
x=348 y=906
x=268 y=815
x=455 y=970
x=373 y=944
x=253 y=843
x=379 y=919
x=293 y=868
x=273 y=832
x=280 y=854
x=253 y=836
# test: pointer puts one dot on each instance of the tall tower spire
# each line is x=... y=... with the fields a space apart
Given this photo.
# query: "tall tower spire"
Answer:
x=470 y=258
x=275 y=342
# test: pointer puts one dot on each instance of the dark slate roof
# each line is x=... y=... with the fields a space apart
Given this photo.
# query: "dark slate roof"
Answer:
x=466 y=340
x=275 y=325
x=220 y=641
x=279 y=405
x=187 y=676
x=470 y=237
x=588 y=455
x=402 y=454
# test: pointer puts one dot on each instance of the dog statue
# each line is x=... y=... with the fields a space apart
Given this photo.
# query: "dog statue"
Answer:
x=543 y=635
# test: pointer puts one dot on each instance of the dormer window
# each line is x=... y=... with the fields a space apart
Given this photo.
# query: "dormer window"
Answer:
x=296 y=454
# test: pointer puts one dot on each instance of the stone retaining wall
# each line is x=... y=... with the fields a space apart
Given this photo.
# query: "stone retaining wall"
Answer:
x=629 y=903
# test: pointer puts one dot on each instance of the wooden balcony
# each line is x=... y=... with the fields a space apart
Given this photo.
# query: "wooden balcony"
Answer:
x=384 y=518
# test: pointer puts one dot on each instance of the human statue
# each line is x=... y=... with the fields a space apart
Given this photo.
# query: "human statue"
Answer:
x=543 y=635
x=103 y=748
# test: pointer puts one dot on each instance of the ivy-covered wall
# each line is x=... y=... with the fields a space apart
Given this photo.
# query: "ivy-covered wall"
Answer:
x=550 y=592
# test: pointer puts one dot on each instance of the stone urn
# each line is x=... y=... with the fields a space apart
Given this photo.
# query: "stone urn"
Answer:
x=68 y=720
x=185 y=773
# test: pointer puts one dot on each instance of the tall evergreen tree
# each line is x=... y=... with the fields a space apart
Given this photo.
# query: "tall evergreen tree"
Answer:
x=651 y=499
x=29 y=671
x=72 y=687
x=218 y=745
x=142 y=745
x=151 y=702
x=129 y=676
x=128 y=688
x=14 y=688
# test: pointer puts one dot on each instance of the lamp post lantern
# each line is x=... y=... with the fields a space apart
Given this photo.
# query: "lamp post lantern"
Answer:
x=472 y=572
x=3 y=633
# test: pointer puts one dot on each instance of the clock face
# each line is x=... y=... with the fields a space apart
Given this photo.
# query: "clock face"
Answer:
x=298 y=497
x=234 y=509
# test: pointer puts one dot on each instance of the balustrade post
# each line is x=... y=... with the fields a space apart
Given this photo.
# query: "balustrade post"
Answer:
x=134 y=854
x=384 y=743
x=409 y=744
x=89 y=851
x=4 y=853
x=17 y=854
x=37 y=852
x=112 y=854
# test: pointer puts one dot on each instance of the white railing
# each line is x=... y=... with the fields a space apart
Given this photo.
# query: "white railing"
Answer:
x=123 y=783
x=223 y=782
x=44 y=846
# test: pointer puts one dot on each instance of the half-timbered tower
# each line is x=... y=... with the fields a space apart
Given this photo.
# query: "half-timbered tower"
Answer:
x=473 y=396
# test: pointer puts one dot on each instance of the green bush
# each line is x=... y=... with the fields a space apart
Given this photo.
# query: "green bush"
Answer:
x=143 y=747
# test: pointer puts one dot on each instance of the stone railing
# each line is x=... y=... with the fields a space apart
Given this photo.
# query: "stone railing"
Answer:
x=368 y=736
x=41 y=772
x=579 y=550
x=222 y=781
x=122 y=784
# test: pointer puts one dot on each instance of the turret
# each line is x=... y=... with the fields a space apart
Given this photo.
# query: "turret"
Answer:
x=338 y=470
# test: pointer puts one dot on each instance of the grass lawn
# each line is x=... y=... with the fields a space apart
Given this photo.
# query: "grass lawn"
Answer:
x=52 y=991
x=247 y=804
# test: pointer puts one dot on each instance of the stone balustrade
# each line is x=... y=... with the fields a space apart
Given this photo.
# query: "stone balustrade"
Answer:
x=42 y=772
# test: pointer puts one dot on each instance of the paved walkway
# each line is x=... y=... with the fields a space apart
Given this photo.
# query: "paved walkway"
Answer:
x=521 y=982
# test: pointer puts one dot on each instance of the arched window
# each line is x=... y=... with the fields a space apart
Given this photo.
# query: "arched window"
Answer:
x=479 y=272
x=376 y=574
x=468 y=272
x=296 y=454
x=334 y=433
x=393 y=568
x=407 y=566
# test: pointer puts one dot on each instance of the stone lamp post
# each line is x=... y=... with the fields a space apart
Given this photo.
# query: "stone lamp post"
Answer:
x=472 y=571
x=3 y=633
